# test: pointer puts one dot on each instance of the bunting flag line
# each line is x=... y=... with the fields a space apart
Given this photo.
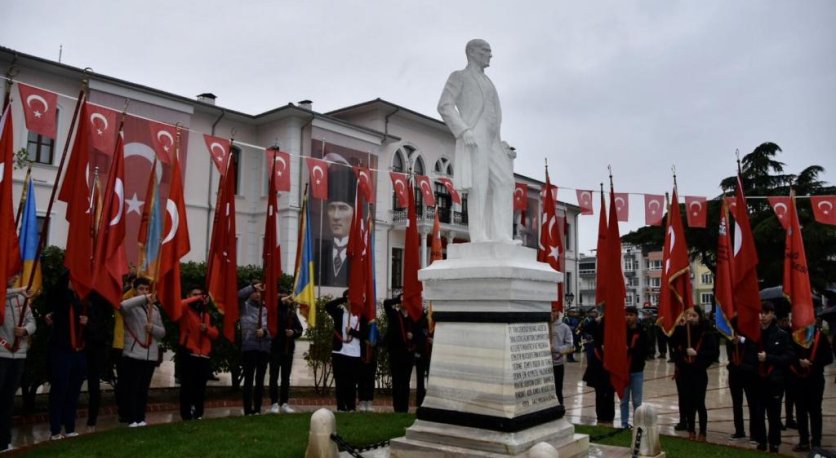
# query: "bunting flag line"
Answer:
x=40 y=110
x=520 y=196
x=696 y=210
x=797 y=281
x=303 y=278
x=10 y=262
x=823 y=209
x=219 y=150
x=780 y=205
x=724 y=277
x=454 y=194
x=653 y=205
x=400 y=182
x=585 y=201
x=426 y=188
x=163 y=141
x=622 y=206
x=281 y=172
x=365 y=184
x=318 y=177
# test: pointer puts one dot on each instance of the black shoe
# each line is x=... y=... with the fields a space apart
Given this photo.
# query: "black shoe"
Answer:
x=736 y=436
x=773 y=449
x=791 y=424
x=680 y=427
x=761 y=447
x=801 y=448
x=783 y=427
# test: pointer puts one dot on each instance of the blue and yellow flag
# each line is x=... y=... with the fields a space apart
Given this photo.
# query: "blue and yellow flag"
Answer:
x=150 y=229
x=303 y=282
x=29 y=238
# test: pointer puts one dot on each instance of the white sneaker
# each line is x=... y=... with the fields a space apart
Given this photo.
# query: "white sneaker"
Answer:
x=56 y=437
x=134 y=424
x=72 y=434
x=141 y=424
x=275 y=408
x=8 y=449
x=287 y=409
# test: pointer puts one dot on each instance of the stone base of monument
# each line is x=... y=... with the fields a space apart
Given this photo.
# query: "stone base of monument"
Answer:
x=491 y=385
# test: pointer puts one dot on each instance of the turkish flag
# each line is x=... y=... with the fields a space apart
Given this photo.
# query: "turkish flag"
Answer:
x=780 y=205
x=622 y=205
x=370 y=309
x=543 y=193
x=550 y=248
x=746 y=293
x=823 y=209
x=675 y=296
x=75 y=191
x=318 y=177
x=40 y=110
x=110 y=263
x=219 y=151
x=356 y=255
x=102 y=128
x=426 y=187
x=163 y=139
x=696 y=211
x=399 y=184
x=585 y=201
x=435 y=247
x=223 y=256
x=174 y=246
x=520 y=196
x=797 y=279
x=364 y=183
x=451 y=189
x=413 y=289
x=10 y=261
x=279 y=163
x=601 y=261
x=271 y=254
x=653 y=207
x=615 y=327
x=731 y=201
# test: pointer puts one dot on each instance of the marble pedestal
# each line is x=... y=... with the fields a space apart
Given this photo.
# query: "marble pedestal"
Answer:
x=491 y=386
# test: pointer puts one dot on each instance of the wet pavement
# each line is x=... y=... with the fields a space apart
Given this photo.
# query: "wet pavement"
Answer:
x=659 y=390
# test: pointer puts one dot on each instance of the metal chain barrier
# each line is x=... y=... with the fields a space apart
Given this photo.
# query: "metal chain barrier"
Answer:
x=355 y=450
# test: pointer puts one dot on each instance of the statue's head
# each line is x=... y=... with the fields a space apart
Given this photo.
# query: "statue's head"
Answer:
x=478 y=51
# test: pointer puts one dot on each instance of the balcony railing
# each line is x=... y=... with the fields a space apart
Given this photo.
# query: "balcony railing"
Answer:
x=445 y=215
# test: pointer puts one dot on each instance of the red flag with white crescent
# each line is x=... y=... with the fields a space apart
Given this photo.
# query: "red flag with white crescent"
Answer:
x=174 y=246
x=622 y=206
x=615 y=329
x=365 y=186
x=824 y=209
x=585 y=201
x=520 y=196
x=675 y=295
x=103 y=128
x=797 y=280
x=281 y=172
x=271 y=254
x=653 y=206
x=780 y=205
x=318 y=177
x=550 y=248
x=110 y=263
x=724 y=274
x=356 y=256
x=163 y=138
x=10 y=260
x=454 y=194
x=426 y=188
x=399 y=185
x=40 y=110
x=222 y=266
x=747 y=299
x=219 y=151
x=696 y=209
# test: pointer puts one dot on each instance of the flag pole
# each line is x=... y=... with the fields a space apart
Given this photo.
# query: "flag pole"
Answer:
x=47 y=216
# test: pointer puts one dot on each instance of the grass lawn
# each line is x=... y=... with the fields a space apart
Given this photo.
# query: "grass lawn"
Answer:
x=287 y=436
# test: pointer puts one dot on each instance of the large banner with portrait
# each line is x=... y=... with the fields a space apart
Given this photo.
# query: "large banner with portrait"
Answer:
x=331 y=218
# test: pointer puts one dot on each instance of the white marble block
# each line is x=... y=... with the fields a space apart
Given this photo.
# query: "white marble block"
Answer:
x=646 y=432
x=491 y=385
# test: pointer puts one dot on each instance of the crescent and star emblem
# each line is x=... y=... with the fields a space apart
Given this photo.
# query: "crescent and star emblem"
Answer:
x=586 y=197
x=119 y=189
x=654 y=208
x=105 y=125
x=617 y=200
x=426 y=187
x=699 y=207
x=318 y=176
x=399 y=185
x=174 y=215
x=165 y=134
x=280 y=160
x=215 y=145
x=824 y=203
x=37 y=98
x=782 y=213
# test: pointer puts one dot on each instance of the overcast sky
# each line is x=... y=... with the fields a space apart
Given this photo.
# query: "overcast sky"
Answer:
x=640 y=85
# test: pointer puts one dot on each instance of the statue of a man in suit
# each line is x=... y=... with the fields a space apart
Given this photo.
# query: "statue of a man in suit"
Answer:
x=469 y=106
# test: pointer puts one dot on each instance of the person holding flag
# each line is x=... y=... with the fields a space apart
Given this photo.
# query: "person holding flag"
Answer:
x=12 y=358
x=400 y=344
x=196 y=336
x=345 y=351
x=255 y=345
x=807 y=382
x=288 y=329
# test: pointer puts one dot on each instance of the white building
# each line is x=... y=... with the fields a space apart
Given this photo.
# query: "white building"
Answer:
x=377 y=134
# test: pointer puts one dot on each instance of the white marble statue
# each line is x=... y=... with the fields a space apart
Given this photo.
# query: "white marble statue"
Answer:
x=469 y=106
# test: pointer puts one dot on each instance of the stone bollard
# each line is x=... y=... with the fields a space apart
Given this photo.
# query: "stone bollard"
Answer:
x=543 y=450
x=320 y=445
x=646 y=432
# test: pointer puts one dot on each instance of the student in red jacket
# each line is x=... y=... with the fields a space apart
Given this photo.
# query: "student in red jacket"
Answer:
x=196 y=336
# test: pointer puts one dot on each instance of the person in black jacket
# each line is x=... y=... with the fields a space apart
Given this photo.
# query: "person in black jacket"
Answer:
x=807 y=384
x=401 y=346
x=96 y=349
x=289 y=328
x=423 y=339
x=345 y=352
x=595 y=375
x=774 y=354
x=367 y=369
x=696 y=351
x=741 y=367
x=636 y=355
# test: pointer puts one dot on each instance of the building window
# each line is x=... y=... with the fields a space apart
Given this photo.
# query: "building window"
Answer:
x=655 y=265
x=418 y=165
x=706 y=298
x=707 y=278
x=398 y=162
x=631 y=264
x=443 y=203
x=397 y=268
x=633 y=281
x=235 y=157
x=40 y=149
x=628 y=300
x=655 y=282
